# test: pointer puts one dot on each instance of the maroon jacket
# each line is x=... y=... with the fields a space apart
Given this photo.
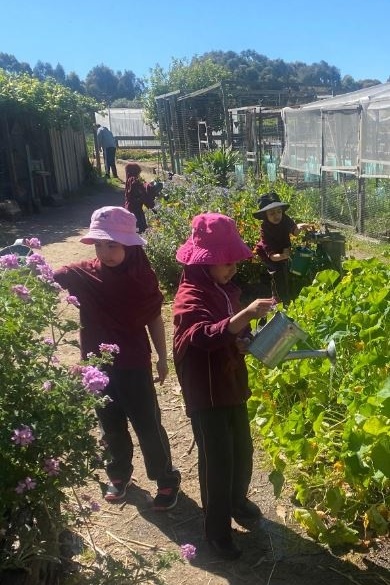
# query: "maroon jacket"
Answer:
x=116 y=304
x=209 y=367
x=274 y=238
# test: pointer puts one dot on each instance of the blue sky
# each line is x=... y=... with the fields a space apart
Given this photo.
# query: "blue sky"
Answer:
x=350 y=35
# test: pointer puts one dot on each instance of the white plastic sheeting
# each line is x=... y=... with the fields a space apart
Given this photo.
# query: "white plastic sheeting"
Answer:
x=349 y=133
x=129 y=124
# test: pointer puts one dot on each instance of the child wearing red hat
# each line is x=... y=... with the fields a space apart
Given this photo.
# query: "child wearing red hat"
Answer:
x=211 y=333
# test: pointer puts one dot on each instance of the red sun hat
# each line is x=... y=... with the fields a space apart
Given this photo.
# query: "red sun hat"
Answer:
x=214 y=240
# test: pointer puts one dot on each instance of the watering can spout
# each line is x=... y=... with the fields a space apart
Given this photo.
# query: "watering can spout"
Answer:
x=329 y=352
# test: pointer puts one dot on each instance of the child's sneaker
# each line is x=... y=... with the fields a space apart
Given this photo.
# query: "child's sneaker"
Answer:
x=166 y=498
x=116 y=490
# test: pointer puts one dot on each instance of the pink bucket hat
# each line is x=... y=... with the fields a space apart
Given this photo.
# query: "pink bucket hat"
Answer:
x=115 y=224
x=214 y=240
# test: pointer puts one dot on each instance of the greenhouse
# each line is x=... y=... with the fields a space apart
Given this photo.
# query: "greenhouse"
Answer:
x=342 y=144
x=349 y=133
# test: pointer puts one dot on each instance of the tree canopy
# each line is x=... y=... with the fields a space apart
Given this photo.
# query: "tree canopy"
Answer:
x=246 y=71
x=48 y=101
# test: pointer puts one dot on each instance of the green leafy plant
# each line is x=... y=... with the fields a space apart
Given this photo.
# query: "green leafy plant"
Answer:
x=328 y=430
x=212 y=167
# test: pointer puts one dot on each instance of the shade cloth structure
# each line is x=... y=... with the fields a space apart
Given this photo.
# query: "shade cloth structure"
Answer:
x=348 y=133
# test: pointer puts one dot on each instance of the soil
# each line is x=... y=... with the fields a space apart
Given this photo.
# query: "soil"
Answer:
x=275 y=552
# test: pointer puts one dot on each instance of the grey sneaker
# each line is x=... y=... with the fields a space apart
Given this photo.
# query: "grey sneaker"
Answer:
x=116 y=490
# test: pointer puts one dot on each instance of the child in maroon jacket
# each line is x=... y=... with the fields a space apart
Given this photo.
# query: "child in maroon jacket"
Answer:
x=139 y=194
x=120 y=303
x=274 y=245
x=211 y=333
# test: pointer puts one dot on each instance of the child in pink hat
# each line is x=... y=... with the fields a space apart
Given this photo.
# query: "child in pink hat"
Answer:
x=211 y=333
x=120 y=305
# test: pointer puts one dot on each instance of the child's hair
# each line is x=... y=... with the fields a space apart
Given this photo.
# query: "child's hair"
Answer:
x=132 y=170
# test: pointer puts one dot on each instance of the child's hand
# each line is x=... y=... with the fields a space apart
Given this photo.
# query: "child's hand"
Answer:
x=162 y=371
x=282 y=256
x=260 y=307
x=242 y=344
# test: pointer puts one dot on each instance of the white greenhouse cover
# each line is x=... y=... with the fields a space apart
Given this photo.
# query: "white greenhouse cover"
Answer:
x=348 y=133
x=127 y=122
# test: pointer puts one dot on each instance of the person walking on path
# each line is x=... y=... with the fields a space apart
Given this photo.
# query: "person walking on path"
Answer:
x=211 y=334
x=120 y=303
x=106 y=142
x=139 y=193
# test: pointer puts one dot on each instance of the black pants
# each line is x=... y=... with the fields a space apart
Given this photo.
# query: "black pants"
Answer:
x=134 y=399
x=225 y=453
x=109 y=161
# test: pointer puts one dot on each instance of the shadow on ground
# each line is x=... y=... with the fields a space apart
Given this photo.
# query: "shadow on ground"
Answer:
x=63 y=220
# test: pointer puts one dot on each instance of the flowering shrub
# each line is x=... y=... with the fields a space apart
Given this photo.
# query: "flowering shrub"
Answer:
x=47 y=410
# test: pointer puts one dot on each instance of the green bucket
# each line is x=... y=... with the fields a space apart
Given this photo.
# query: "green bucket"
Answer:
x=300 y=261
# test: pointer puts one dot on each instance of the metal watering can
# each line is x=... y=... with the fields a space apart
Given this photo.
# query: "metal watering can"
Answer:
x=272 y=343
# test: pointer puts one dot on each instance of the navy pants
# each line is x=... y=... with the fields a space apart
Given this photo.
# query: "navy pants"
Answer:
x=134 y=399
x=225 y=462
x=109 y=161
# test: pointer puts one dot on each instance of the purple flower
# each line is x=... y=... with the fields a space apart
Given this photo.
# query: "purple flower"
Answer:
x=46 y=273
x=35 y=260
x=25 y=485
x=21 y=291
x=94 y=380
x=33 y=243
x=47 y=385
x=52 y=466
x=109 y=347
x=9 y=261
x=188 y=551
x=95 y=506
x=72 y=300
x=23 y=436
x=48 y=341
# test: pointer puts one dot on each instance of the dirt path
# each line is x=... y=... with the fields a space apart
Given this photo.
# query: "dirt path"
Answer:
x=275 y=553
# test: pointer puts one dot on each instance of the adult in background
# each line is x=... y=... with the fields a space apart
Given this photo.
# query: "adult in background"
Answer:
x=106 y=142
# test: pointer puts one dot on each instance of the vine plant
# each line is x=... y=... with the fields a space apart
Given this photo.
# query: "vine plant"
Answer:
x=328 y=431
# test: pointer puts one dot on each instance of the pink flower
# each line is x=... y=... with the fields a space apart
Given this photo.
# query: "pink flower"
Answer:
x=33 y=243
x=21 y=291
x=23 y=436
x=94 y=380
x=45 y=273
x=35 y=260
x=47 y=385
x=25 y=485
x=188 y=551
x=109 y=347
x=72 y=300
x=9 y=261
x=48 y=341
x=52 y=466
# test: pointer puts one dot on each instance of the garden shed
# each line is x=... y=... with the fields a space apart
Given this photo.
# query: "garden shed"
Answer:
x=343 y=142
x=38 y=162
